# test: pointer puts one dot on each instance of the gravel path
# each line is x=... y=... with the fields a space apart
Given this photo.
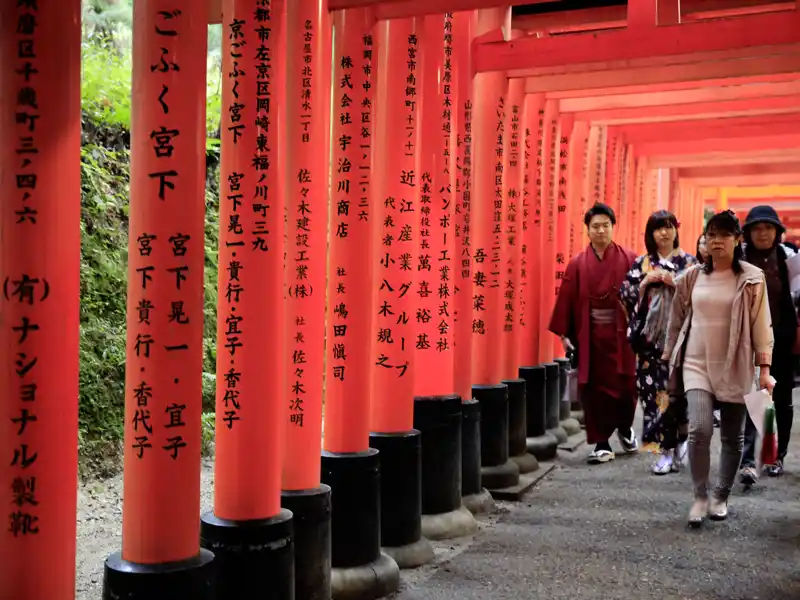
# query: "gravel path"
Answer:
x=584 y=533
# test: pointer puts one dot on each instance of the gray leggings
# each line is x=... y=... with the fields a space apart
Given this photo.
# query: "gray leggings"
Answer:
x=701 y=427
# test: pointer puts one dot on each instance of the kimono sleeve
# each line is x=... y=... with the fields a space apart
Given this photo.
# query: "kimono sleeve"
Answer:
x=629 y=290
x=562 y=321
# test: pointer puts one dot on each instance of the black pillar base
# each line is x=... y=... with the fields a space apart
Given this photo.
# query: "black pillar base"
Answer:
x=192 y=578
x=535 y=399
x=517 y=426
x=497 y=471
x=401 y=497
x=552 y=386
x=470 y=448
x=438 y=419
x=312 y=541
x=360 y=571
x=254 y=559
x=569 y=424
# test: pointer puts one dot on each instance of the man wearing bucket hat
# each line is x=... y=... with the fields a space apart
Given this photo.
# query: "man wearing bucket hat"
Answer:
x=762 y=248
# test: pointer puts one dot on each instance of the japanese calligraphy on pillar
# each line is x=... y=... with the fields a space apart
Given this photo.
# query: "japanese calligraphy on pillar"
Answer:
x=347 y=98
x=434 y=313
x=365 y=133
x=170 y=248
x=165 y=284
x=24 y=291
x=462 y=183
x=464 y=194
x=229 y=324
x=511 y=271
x=562 y=248
x=599 y=165
x=539 y=206
x=397 y=262
x=351 y=187
x=301 y=221
x=497 y=212
x=444 y=225
x=524 y=224
x=552 y=205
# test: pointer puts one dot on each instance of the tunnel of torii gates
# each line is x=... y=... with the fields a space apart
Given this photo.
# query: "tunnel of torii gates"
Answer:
x=402 y=185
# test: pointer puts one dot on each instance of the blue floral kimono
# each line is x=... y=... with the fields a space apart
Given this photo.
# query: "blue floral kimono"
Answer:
x=652 y=373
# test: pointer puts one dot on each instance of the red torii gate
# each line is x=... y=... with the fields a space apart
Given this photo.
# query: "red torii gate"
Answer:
x=588 y=152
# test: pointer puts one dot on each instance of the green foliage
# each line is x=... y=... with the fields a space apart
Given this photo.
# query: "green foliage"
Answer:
x=106 y=103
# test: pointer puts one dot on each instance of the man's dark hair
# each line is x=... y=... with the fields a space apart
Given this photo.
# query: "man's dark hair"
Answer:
x=727 y=222
x=659 y=219
x=599 y=209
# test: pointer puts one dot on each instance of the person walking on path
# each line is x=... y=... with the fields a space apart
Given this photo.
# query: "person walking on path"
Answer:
x=647 y=293
x=591 y=321
x=762 y=248
x=719 y=331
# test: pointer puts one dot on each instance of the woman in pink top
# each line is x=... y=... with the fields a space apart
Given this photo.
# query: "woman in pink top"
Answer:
x=719 y=331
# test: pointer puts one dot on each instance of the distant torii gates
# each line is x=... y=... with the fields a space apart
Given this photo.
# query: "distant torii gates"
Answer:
x=393 y=229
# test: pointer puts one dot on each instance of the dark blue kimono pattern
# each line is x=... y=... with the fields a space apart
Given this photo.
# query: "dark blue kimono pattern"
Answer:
x=652 y=373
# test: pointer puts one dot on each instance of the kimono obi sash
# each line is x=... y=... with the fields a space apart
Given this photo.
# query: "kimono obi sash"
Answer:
x=602 y=316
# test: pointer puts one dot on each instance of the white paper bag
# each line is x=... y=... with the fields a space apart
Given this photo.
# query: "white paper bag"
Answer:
x=757 y=403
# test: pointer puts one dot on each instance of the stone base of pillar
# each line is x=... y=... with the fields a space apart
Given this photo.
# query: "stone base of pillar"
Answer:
x=578 y=416
x=449 y=525
x=479 y=503
x=411 y=556
x=559 y=434
x=571 y=426
x=312 y=541
x=543 y=447
x=526 y=462
x=401 y=497
x=192 y=578
x=500 y=476
x=251 y=557
x=375 y=579
x=359 y=571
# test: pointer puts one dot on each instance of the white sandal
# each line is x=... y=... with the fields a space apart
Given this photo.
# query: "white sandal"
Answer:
x=600 y=456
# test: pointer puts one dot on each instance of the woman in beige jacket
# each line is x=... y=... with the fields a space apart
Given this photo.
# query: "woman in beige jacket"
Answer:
x=719 y=331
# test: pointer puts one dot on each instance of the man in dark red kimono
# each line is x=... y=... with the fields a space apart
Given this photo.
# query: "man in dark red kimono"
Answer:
x=591 y=321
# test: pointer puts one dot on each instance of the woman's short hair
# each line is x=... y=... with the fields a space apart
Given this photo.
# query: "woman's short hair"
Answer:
x=727 y=222
x=599 y=209
x=659 y=219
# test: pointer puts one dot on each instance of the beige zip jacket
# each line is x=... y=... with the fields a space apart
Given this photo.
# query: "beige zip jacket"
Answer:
x=750 y=340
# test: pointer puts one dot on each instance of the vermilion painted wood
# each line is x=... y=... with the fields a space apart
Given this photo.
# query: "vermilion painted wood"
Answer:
x=643 y=96
x=685 y=75
x=769 y=142
x=639 y=42
x=726 y=158
x=777 y=105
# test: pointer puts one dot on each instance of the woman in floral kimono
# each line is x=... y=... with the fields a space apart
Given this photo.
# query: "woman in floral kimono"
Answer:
x=647 y=293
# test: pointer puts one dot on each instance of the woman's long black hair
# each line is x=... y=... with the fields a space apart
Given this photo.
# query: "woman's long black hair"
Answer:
x=659 y=219
x=725 y=221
